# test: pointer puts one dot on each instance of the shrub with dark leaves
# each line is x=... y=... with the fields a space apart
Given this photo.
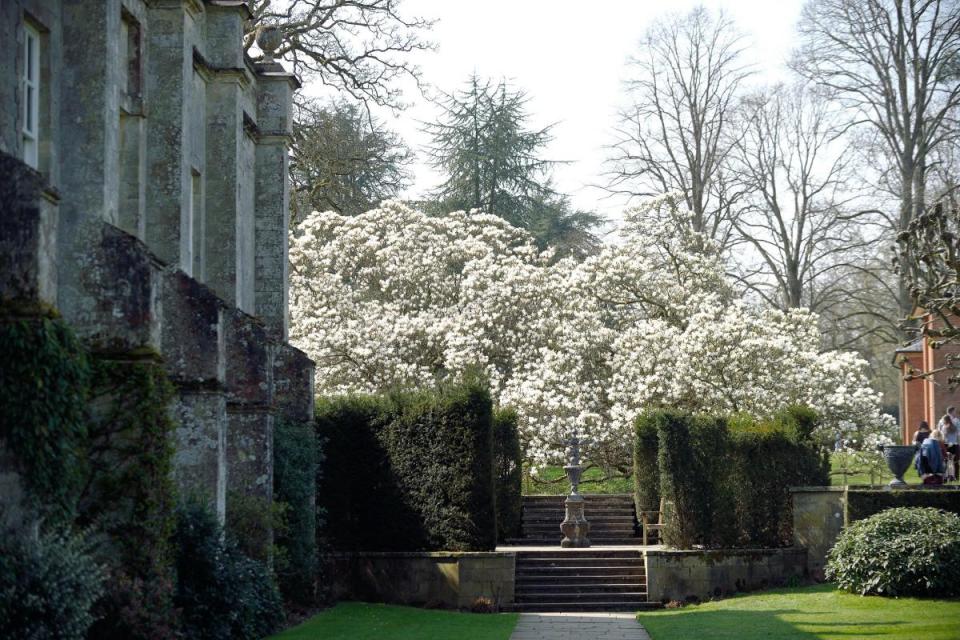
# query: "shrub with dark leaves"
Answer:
x=899 y=552
x=47 y=586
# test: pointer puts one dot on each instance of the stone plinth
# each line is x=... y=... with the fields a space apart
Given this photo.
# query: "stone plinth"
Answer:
x=574 y=527
x=818 y=518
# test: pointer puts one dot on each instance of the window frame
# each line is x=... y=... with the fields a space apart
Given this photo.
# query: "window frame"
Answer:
x=30 y=92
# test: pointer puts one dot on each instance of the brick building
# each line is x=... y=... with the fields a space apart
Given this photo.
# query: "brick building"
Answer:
x=925 y=397
x=144 y=196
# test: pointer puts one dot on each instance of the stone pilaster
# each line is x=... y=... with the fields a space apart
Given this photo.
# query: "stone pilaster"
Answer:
x=194 y=352
x=249 y=407
x=89 y=137
x=169 y=78
x=275 y=90
x=28 y=235
x=293 y=375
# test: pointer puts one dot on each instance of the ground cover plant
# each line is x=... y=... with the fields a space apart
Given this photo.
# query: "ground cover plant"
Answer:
x=351 y=620
x=899 y=552
x=807 y=613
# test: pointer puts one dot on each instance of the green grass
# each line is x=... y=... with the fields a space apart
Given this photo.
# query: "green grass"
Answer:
x=819 y=612
x=843 y=472
x=552 y=481
x=354 y=620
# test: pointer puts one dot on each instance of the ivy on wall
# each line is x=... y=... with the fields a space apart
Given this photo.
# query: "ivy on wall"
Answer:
x=44 y=376
x=129 y=495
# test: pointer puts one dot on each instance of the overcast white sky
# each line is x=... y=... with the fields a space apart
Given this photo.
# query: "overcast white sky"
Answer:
x=570 y=59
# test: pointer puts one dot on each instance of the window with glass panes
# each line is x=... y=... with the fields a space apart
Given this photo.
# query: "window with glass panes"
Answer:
x=31 y=95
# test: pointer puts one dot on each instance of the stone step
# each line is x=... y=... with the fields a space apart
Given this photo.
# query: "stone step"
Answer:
x=607 y=514
x=589 y=497
x=580 y=606
x=586 y=569
x=566 y=557
x=596 y=543
x=594 y=526
x=609 y=596
x=532 y=580
x=601 y=524
x=553 y=588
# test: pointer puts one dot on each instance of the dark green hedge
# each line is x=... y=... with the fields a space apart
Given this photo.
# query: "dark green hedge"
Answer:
x=726 y=482
x=767 y=458
x=44 y=376
x=692 y=454
x=296 y=455
x=409 y=471
x=646 y=472
x=863 y=503
x=508 y=467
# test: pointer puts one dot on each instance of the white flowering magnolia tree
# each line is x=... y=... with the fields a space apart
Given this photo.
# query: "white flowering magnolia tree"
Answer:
x=396 y=298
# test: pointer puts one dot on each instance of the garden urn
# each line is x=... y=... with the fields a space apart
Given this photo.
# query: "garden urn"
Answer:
x=575 y=527
x=899 y=458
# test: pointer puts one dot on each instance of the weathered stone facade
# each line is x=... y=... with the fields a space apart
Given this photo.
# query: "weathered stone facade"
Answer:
x=154 y=212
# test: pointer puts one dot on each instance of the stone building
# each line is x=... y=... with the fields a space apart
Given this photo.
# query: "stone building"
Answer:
x=144 y=195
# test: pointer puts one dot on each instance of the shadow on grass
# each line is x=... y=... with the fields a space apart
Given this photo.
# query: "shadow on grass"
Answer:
x=693 y=622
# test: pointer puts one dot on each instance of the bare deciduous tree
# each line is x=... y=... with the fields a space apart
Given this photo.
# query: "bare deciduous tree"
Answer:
x=676 y=134
x=358 y=47
x=892 y=64
x=800 y=215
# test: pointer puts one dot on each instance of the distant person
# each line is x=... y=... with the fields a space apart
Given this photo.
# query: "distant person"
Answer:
x=923 y=432
x=931 y=461
x=951 y=438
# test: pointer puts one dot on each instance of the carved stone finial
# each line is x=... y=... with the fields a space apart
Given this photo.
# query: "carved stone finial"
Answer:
x=269 y=39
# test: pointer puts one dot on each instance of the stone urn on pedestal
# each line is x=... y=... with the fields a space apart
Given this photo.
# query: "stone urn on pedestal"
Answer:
x=575 y=527
x=899 y=459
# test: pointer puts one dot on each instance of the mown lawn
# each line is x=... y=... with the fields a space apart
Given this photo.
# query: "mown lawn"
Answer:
x=552 y=481
x=356 y=620
x=819 y=612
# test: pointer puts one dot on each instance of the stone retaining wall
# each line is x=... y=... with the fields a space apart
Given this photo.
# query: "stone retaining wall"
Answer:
x=441 y=579
x=699 y=575
x=821 y=513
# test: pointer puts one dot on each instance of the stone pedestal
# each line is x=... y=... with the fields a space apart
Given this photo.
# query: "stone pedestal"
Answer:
x=575 y=527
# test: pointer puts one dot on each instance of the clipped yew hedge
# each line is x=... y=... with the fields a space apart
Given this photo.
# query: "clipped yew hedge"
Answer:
x=726 y=481
x=508 y=468
x=409 y=471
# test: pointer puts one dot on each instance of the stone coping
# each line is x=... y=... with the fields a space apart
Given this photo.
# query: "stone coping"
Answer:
x=439 y=555
x=880 y=488
x=724 y=552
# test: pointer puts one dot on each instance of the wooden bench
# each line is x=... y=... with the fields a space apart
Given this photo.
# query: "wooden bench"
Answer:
x=652 y=521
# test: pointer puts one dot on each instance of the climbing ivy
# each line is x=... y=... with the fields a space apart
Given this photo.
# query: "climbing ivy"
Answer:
x=130 y=496
x=44 y=372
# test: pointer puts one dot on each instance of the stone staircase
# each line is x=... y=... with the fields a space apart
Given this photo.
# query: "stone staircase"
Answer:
x=581 y=580
x=612 y=517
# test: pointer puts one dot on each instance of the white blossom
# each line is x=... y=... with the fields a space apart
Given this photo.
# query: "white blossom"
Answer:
x=396 y=298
